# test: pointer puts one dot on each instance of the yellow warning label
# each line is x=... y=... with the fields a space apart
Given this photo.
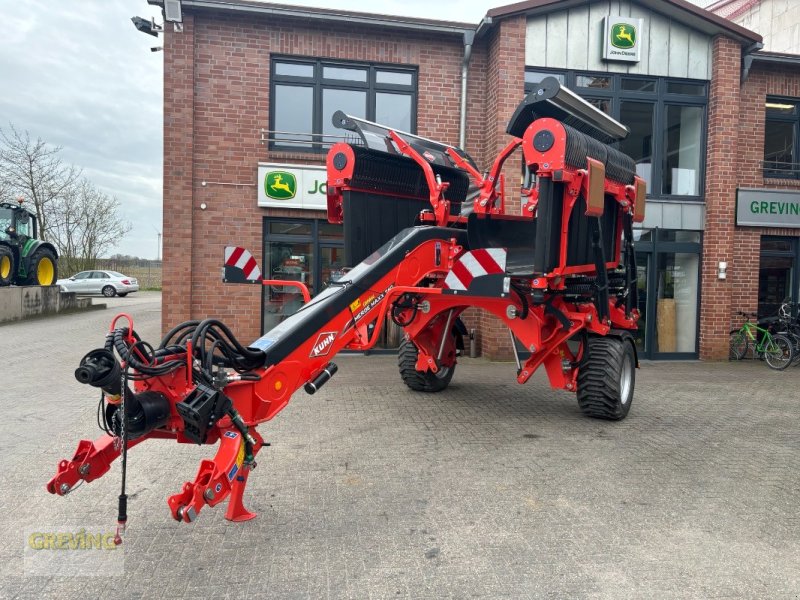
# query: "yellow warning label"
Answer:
x=354 y=306
x=240 y=456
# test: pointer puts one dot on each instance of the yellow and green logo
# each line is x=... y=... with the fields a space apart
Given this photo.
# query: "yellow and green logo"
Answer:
x=280 y=185
x=623 y=35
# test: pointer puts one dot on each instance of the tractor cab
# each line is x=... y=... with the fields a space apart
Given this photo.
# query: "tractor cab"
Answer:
x=16 y=223
x=24 y=259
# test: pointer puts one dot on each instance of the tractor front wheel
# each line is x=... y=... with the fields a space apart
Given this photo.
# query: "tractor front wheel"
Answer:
x=421 y=381
x=43 y=268
x=6 y=266
x=606 y=378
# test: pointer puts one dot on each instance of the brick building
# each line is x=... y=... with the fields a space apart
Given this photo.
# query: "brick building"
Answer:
x=249 y=88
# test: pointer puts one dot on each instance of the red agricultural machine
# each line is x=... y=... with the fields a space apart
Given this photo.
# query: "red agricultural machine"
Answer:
x=429 y=236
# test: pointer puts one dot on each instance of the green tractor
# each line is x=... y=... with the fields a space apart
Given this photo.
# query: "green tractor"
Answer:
x=24 y=260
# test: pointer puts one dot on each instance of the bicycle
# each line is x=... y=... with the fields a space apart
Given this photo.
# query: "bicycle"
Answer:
x=777 y=349
x=786 y=326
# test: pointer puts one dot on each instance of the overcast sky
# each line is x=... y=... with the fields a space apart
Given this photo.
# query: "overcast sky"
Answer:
x=78 y=74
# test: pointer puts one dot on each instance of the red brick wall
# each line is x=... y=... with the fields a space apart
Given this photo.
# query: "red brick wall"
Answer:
x=505 y=87
x=735 y=153
x=216 y=102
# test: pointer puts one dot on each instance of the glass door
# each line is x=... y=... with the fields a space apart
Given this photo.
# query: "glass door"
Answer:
x=668 y=265
x=642 y=271
x=778 y=274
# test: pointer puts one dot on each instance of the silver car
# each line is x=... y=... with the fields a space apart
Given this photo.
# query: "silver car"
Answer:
x=108 y=283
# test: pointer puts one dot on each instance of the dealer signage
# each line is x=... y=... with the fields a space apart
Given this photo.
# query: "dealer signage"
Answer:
x=622 y=39
x=767 y=208
x=292 y=186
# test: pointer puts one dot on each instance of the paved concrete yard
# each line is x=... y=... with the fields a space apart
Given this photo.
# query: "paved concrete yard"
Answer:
x=488 y=490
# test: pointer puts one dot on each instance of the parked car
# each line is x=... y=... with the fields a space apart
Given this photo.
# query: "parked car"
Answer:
x=108 y=283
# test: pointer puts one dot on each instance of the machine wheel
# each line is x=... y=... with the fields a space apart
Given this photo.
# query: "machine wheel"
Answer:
x=779 y=353
x=109 y=291
x=606 y=378
x=739 y=345
x=43 y=268
x=6 y=266
x=420 y=381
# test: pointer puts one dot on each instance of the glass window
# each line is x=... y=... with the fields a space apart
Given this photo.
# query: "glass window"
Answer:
x=774 y=244
x=83 y=275
x=638 y=85
x=294 y=69
x=536 y=76
x=290 y=228
x=294 y=112
x=331 y=230
x=393 y=110
x=589 y=81
x=683 y=131
x=352 y=102
x=666 y=119
x=638 y=116
x=344 y=73
x=302 y=109
x=779 y=146
x=781 y=139
x=289 y=261
x=603 y=104
x=687 y=89
x=394 y=78
x=678 y=235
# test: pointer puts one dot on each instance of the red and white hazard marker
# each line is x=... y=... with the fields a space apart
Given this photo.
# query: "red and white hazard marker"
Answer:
x=241 y=258
x=475 y=263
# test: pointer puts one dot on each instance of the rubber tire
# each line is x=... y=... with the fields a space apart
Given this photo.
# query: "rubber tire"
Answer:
x=599 y=378
x=122 y=295
x=739 y=345
x=109 y=291
x=420 y=381
x=784 y=346
x=33 y=268
x=6 y=253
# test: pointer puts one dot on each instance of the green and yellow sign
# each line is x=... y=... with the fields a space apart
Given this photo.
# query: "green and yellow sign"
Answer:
x=280 y=185
x=623 y=35
x=283 y=185
x=622 y=41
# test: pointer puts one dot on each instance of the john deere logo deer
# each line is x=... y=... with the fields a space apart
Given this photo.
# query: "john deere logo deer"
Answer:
x=623 y=35
x=280 y=185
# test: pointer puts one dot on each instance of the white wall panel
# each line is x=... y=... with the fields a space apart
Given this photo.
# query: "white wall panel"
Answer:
x=573 y=39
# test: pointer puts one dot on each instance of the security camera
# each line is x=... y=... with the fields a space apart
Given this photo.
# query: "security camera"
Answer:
x=145 y=26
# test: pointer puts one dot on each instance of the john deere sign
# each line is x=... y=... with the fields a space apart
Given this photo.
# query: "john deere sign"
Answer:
x=622 y=39
x=280 y=185
x=767 y=208
x=291 y=186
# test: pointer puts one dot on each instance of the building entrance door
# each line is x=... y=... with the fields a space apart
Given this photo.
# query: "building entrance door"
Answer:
x=668 y=265
x=778 y=274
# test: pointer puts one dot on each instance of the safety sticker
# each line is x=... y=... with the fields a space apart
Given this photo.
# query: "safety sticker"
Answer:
x=231 y=434
x=232 y=472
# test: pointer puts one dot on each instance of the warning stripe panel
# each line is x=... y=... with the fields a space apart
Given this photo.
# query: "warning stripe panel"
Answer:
x=236 y=256
x=475 y=263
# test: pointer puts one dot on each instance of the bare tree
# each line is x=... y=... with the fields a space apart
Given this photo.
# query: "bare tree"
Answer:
x=33 y=169
x=88 y=226
x=80 y=220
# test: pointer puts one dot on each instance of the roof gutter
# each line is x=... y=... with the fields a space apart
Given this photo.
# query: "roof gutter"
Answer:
x=747 y=60
x=300 y=12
